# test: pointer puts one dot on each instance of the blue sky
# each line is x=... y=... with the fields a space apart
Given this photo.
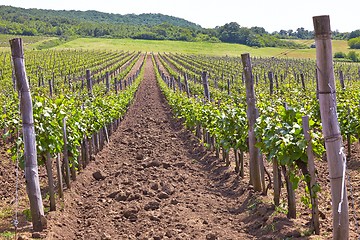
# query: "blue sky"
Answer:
x=273 y=15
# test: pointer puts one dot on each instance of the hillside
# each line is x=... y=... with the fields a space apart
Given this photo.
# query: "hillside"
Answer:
x=65 y=24
x=21 y=15
x=34 y=22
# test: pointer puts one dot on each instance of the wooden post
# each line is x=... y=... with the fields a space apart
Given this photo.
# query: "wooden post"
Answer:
x=179 y=83
x=312 y=170
x=241 y=160
x=206 y=85
x=302 y=81
x=237 y=161
x=66 y=157
x=120 y=85
x=73 y=168
x=341 y=77
x=107 y=78
x=50 y=176
x=173 y=85
x=317 y=83
x=186 y=85
x=95 y=140
x=331 y=129
x=115 y=86
x=271 y=79
x=60 y=177
x=89 y=83
x=50 y=88
x=30 y=153
x=254 y=163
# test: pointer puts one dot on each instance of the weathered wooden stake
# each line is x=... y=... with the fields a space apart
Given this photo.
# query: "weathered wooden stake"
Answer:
x=330 y=127
x=116 y=86
x=50 y=176
x=341 y=78
x=60 y=177
x=89 y=83
x=206 y=85
x=254 y=163
x=303 y=81
x=271 y=79
x=65 y=153
x=30 y=153
x=186 y=85
x=107 y=78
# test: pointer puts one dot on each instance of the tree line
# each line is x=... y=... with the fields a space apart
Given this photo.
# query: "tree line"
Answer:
x=71 y=24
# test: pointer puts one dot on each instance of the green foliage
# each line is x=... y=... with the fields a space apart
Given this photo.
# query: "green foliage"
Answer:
x=7 y=235
x=354 y=43
x=5 y=212
x=27 y=214
x=31 y=22
x=354 y=34
x=255 y=37
x=339 y=55
x=84 y=115
x=54 y=42
x=353 y=56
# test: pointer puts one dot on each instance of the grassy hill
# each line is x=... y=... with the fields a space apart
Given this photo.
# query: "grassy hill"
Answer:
x=203 y=48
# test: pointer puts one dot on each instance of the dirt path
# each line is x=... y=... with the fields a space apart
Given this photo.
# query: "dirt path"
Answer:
x=157 y=182
x=156 y=185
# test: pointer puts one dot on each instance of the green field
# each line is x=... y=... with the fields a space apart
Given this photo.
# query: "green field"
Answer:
x=202 y=48
x=30 y=42
x=338 y=45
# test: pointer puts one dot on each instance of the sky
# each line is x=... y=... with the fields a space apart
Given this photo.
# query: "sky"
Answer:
x=273 y=15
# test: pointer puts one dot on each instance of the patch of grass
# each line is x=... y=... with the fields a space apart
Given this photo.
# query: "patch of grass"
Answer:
x=27 y=214
x=30 y=42
x=281 y=209
x=51 y=43
x=5 y=212
x=254 y=204
x=7 y=235
x=337 y=46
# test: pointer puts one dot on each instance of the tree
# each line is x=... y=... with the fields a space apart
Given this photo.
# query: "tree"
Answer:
x=229 y=32
x=353 y=56
x=354 y=34
x=258 y=30
x=354 y=43
x=283 y=33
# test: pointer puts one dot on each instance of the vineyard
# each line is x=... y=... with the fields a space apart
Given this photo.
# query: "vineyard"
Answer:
x=134 y=145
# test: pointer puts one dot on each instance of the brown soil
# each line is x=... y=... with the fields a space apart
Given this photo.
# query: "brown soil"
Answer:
x=158 y=182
